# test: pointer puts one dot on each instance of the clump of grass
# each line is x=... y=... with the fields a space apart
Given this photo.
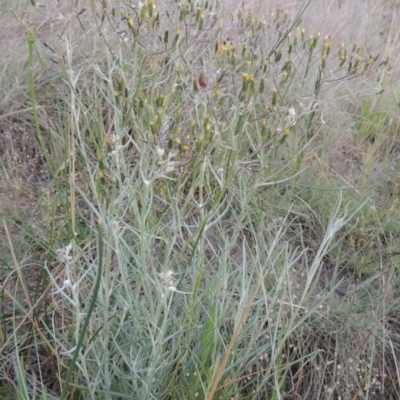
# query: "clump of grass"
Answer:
x=191 y=248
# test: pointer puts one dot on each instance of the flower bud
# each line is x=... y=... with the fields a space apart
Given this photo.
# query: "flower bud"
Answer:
x=203 y=80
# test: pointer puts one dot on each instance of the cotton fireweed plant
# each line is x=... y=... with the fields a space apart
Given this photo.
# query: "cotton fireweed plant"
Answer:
x=185 y=143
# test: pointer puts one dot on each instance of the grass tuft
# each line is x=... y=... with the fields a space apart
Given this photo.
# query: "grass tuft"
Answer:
x=199 y=201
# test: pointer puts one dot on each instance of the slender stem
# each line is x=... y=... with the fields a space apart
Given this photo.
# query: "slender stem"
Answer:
x=89 y=313
x=30 y=35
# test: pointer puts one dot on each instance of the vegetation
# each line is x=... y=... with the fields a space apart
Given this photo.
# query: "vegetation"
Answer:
x=197 y=204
